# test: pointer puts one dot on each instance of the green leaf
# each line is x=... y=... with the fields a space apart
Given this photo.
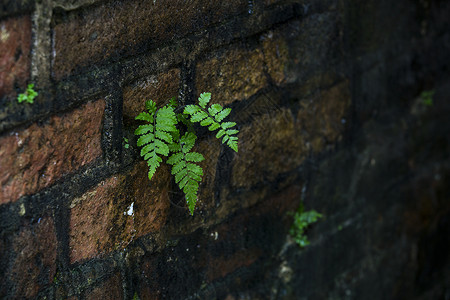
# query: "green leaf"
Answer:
x=214 y=109
x=194 y=157
x=199 y=116
x=214 y=126
x=223 y=114
x=232 y=131
x=173 y=102
x=207 y=121
x=166 y=119
x=191 y=109
x=21 y=98
x=166 y=137
x=225 y=138
x=187 y=141
x=178 y=167
x=194 y=169
x=153 y=163
x=145 y=116
x=183 y=172
x=161 y=147
x=142 y=129
x=147 y=149
x=175 y=158
x=150 y=106
x=227 y=125
x=204 y=98
x=233 y=145
x=220 y=133
x=145 y=139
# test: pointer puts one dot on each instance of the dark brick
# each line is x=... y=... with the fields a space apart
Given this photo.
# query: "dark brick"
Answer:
x=235 y=74
x=159 y=88
x=34 y=260
x=110 y=289
x=118 y=28
x=37 y=156
x=15 y=46
x=278 y=142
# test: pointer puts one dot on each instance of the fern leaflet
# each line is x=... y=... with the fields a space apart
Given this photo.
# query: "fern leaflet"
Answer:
x=213 y=117
x=187 y=173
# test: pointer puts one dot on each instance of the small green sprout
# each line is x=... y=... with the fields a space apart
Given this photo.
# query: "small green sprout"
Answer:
x=302 y=220
x=427 y=97
x=125 y=143
x=28 y=96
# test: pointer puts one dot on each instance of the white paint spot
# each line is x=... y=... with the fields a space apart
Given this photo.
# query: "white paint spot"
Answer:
x=130 y=211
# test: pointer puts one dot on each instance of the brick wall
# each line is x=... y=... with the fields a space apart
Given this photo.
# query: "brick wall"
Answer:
x=327 y=97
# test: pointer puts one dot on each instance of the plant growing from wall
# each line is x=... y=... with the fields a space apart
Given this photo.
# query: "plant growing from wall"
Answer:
x=170 y=133
x=302 y=220
x=28 y=96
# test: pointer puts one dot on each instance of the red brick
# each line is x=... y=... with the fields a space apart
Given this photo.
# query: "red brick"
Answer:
x=34 y=263
x=159 y=88
x=111 y=289
x=99 y=222
x=15 y=45
x=91 y=35
x=37 y=156
x=235 y=74
x=277 y=142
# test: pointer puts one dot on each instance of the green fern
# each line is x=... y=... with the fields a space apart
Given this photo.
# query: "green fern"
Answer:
x=160 y=137
x=187 y=173
x=28 y=96
x=155 y=137
x=213 y=117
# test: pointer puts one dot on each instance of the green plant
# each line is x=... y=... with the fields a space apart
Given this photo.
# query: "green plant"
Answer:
x=302 y=220
x=427 y=97
x=125 y=143
x=163 y=135
x=28 y=96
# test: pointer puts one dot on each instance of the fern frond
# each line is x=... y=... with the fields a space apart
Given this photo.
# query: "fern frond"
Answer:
x=150 y=106
x=187 y=173
x=156 y=138
x=213 y=117
x=204 y=99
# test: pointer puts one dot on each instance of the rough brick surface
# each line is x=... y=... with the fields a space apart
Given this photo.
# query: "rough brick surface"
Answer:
x=277 y=142
x=118 y=210
x=15 y=45
x=235 y=74
x=159 y=88
x=35 y=157
x=33 y=261
x=110 y=289
x=111 y=29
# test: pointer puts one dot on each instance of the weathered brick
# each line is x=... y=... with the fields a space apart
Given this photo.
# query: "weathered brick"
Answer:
x=15 y=45
x=116 y=28
x=276 y=55
x=119 y=209
x=235 y=74
x=111 y=289
x=277 y=142
x=37 y=156
x=158 y=88
x=34 y=263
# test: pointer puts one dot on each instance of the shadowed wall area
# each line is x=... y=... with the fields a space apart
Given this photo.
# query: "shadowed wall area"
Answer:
x=342 y=106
